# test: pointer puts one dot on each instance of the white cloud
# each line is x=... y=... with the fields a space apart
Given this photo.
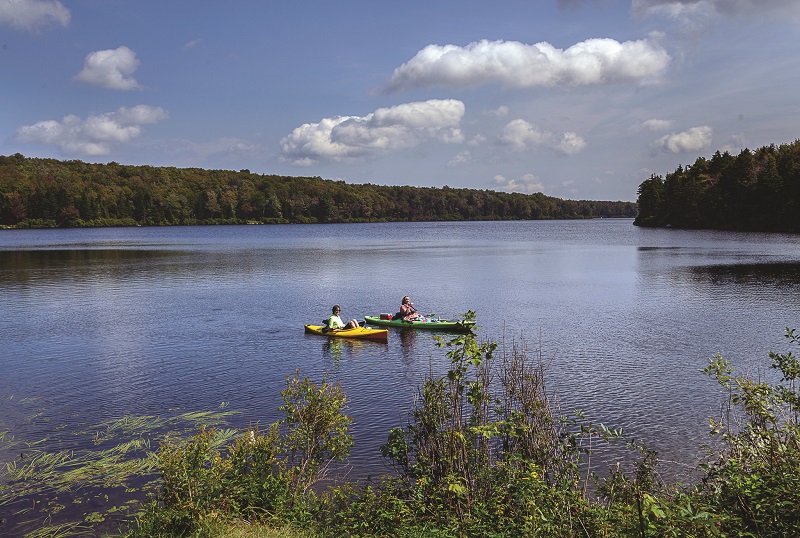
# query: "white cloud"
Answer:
x=521 y=135
x=736 y=143
x=672 y=9
x=112 y=69
x=33 y=15
x=657 y=125
x=476 y=140
x=515 y=64
x=569 y=186
x=95 y=134
x=386 y=129
x=528 y=183
x=465 y=157
x=499 y=112
x=681 y=9
x=570 y=143
x=692 y=140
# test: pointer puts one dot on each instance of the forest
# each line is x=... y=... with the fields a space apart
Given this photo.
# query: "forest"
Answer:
x=37 y=192
x=753 y=191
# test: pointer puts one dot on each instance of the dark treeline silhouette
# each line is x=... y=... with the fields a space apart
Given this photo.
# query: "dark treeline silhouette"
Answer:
x=754 y=191
x=49 y=192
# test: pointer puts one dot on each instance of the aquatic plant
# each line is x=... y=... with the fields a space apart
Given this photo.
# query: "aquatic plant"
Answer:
x=485 y=451
x=105 y=474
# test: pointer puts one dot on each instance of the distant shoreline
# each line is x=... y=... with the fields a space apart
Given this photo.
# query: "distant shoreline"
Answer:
x=49 y=193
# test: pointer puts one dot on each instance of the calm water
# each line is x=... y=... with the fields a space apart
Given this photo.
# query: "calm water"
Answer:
x=99 y=323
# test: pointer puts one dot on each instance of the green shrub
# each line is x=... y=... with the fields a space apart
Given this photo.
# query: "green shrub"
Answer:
x=37 y=223
x=485 y=453
x=263 y=476
x=317 y=430
x=755 y=483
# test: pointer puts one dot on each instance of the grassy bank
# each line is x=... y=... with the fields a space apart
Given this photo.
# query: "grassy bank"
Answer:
x=484 y=452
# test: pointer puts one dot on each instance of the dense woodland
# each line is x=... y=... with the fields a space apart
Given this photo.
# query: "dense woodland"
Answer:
x=755 y=190
x=51 y=193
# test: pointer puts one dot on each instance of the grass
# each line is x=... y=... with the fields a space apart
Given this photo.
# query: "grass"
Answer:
x=255 y=530
x=69 y=492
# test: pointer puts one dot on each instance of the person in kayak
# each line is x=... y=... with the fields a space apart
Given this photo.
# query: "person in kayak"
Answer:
x=407 y=310
x=335 y=323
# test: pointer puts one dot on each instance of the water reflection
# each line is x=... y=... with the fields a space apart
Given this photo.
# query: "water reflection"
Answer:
x=753 y=274
x=337 y=350
x=44 y=265
x=407 y=339
x=99 y=323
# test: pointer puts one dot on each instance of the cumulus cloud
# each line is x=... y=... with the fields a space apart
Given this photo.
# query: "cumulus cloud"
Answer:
x=477 y=140
x=672 y=9
x=528 y=183
x=32 y=15
x=111 y=68
x=519 y=65
x=93 y=135
x=498 y=112
x=465 y=157
x=679 y=9
x=521 y=135
x=387 y=129
x=657 y=125
x=692 y=140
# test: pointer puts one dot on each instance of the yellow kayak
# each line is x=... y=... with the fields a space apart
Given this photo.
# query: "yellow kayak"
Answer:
x=358 y=332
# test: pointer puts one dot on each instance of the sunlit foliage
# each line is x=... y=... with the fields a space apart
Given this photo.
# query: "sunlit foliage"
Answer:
x=753 y=191
x=50 y=193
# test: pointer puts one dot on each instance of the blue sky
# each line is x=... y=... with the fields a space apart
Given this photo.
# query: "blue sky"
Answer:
x=579 y=99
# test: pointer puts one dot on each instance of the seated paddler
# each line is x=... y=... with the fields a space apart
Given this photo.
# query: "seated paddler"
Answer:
x=407 y=310
x=335 y=323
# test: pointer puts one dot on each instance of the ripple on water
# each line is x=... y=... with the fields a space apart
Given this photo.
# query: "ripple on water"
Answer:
x=98 y=323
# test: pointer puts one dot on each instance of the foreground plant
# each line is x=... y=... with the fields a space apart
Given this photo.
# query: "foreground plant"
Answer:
x=755 y=483
x=485 y=450
x=317 y=431
x=266 y=476
x=752 y=486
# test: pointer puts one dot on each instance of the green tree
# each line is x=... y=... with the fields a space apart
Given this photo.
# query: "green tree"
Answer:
x=651 y=209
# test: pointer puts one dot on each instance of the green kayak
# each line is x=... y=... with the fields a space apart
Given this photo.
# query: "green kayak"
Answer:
x=428 y=323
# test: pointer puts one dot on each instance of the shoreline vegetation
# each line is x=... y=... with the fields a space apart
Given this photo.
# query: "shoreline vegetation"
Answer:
x=484 y=452
x=753 y=191
x=49 y=193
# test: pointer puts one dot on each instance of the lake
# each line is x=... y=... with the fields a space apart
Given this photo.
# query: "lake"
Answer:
x=98 y=323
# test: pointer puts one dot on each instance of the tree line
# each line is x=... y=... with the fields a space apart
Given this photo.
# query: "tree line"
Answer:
x=753 y=191
x=38 y=192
